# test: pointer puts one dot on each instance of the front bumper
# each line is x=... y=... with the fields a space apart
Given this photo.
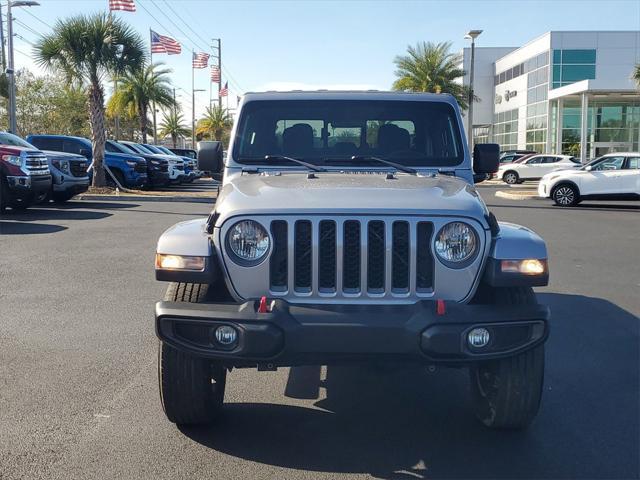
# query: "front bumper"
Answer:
x=158 y=178
x=544 y=189
x=68 y=184
x=323 y=334
x=28 y=185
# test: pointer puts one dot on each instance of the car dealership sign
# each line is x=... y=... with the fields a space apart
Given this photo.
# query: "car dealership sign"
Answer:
x=508 y=95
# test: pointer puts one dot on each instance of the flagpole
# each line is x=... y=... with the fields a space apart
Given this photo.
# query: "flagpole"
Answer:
x=193 y=103
x=220 y=68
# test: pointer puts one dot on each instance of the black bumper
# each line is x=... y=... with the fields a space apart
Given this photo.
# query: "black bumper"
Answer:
x=158 y=178
x=324 y=334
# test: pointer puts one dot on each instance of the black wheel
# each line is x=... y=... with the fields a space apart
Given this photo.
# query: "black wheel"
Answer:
x=511 y=177
x=507 y=392
x=566 y=195
x=191 y=388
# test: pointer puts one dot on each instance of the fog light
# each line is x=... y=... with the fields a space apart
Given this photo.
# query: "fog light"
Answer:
x=530 y=266
x=179 y=262
x=226 y=335
x=478 y=337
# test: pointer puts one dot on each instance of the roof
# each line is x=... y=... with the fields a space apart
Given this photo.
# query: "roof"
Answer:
x=350 y=95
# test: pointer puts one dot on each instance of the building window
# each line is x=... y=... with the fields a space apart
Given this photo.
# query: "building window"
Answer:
x=571 y=66
x=505 y=129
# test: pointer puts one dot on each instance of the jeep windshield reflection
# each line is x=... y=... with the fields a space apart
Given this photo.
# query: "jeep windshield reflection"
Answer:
x=331 y=132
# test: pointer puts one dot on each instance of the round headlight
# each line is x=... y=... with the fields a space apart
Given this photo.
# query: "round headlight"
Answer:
x=456 y=243
x=248 y=242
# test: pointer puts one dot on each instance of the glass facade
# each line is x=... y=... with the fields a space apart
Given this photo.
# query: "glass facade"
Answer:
x=612 y=125
x=505 y=129
x=537 y=89
x=571 y=66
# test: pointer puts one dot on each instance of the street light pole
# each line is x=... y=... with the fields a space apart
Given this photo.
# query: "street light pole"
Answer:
x=471 y=34
x=10 y=67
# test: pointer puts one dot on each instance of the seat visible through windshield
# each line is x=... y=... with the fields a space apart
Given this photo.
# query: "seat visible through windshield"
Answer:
x=332 y=131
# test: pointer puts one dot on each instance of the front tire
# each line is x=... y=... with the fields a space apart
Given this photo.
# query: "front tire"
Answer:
x=191 y=388
x=566 y=195
x=507 y=392
x=511 y=177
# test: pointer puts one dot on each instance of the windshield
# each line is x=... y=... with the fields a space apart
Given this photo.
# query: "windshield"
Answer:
x=115 y=147
x=332 y=131
x=14 y=140
x=166 y=151
x=139 y=148
x=153 y=149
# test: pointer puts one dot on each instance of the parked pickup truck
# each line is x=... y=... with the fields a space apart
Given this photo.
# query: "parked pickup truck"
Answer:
x=129 y=169
x=69 y=175
x=157 y=168
x=25 y=177
x=348 y=229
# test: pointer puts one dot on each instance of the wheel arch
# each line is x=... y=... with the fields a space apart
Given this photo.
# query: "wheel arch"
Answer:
x=562 y=182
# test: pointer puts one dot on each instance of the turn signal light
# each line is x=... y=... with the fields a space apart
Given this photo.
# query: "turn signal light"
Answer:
x=179 y=262
x=530 y=266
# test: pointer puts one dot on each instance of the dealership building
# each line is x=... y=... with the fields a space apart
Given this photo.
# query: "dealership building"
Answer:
x=563 y=92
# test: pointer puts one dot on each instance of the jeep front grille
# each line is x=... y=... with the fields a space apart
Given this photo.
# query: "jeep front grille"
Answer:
x=351 y=257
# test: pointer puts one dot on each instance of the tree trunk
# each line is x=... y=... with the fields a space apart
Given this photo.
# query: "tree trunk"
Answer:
x=142 y=109
x=174 y=139
x=98 y=134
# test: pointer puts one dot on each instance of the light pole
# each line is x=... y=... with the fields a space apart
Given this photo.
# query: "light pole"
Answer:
x=10 y=69
x=471 y=35
x=193 y=115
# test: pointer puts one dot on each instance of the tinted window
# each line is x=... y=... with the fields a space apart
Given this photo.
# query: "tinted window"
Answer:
x=44 y=143
x=411 y=133
x=534 y=161
x=129 y=148
x=118 y=147
x=634 y=163
x=152 y=148
x=71 y=146
x=13 y=140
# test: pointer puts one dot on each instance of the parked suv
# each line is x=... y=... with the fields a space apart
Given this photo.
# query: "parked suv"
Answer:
x=190 y=165
x=176 y=165
x=614 y=176
x=535 y=167
x=129 y=169
x=348 y=229
x=25 y=177
x=157 y=168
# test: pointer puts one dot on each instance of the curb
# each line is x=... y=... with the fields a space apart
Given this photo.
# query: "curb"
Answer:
x=518 y=195
x=145 y=198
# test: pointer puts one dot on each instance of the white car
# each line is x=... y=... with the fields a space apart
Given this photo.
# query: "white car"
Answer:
x=612 y=176
x=535 y=167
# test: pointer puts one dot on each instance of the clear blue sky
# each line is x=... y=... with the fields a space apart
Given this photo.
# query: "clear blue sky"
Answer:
x=325 y=44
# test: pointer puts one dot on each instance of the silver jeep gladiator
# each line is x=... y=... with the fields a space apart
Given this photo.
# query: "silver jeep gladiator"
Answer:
x=348 y=229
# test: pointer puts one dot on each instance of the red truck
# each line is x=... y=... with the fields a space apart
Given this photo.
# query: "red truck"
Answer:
x=25 y=177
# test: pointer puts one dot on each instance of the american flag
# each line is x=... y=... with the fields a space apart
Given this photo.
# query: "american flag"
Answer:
x=124 y=5
x=215 y=74
x=200 y=60
x=162 y=44
x=225 y=90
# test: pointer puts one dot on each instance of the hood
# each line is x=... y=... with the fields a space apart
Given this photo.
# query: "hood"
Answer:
x=350 y=193
x=124 y=156
x=63 y=155
x=566 y=172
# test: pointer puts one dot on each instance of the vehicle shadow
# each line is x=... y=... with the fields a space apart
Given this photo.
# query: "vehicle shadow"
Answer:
x=35 y=213
x=19 y=228
x=409 y=423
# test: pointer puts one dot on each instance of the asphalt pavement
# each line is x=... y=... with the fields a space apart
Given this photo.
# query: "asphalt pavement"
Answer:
x=79 y=398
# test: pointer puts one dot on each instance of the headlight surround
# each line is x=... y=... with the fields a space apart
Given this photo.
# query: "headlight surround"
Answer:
x=457 y=244
x=248 y=243
x=13 y=159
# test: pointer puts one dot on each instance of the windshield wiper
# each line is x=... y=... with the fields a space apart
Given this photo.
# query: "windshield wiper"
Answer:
x=310 y=166
x=397 y=166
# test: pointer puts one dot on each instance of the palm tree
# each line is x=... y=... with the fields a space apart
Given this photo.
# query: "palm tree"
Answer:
x=431 y=67
x=216 y=120
x=139 y=89
x=87 y=48
x=636 y=74
x=173 y=124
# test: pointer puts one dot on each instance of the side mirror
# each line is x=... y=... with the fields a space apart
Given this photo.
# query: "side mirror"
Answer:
x=210 y=157
x=588 y=168
x=486 y=158
x=85 y=153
